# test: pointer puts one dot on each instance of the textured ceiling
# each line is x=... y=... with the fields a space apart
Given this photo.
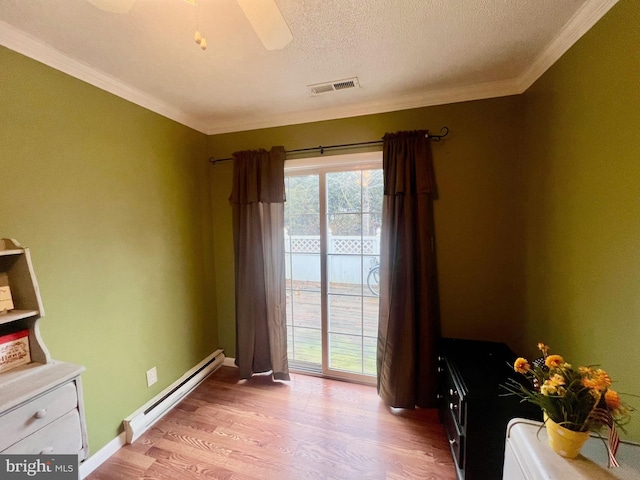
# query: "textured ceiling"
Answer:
x=405 y=53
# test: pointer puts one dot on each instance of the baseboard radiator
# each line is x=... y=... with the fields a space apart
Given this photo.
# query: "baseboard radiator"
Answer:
x=142 y=419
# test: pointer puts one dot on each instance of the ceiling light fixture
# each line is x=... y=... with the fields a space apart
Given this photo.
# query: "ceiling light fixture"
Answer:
x=200 y=40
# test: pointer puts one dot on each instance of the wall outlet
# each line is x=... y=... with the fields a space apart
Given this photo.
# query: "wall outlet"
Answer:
x=152 y=376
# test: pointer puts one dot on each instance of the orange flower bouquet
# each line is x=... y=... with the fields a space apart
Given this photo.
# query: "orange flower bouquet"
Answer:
x=580 y=400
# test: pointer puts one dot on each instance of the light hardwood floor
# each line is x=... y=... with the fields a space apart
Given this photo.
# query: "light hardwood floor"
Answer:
x=308 y=428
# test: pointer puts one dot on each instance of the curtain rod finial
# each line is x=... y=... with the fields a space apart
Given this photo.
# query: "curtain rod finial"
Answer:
x=444 y=131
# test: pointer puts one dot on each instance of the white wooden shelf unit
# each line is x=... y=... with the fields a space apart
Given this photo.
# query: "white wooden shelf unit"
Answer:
x=41 y=404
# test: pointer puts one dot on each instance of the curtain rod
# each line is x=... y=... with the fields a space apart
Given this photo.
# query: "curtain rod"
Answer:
x=444 y=131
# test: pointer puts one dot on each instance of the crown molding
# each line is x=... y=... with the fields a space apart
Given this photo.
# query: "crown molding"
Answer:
x=581 y=22
x=20 y=42
x=404 y=102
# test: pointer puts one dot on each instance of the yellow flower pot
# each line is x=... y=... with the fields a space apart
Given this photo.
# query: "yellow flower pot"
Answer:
x=563 y=441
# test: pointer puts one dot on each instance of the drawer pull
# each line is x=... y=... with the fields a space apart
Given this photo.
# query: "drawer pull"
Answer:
x=453 y=406
x=452 y=441
x=46 y=451
x=41 y=413
x=440 y=369
x=451 y=391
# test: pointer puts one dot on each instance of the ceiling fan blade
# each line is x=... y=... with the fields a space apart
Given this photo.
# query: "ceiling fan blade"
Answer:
x=114 y=6
x=268 y=22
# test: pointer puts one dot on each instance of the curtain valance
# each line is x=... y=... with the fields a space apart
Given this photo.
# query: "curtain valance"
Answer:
x=258 y=177
x=407 y=164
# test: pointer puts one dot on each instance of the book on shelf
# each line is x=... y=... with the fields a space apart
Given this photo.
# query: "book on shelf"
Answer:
x=14 y=350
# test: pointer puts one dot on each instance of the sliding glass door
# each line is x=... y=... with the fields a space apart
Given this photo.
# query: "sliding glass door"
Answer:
x=332 y=219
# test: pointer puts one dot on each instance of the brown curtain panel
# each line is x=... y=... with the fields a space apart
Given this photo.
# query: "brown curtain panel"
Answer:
x=409 y=325
x=257 y=200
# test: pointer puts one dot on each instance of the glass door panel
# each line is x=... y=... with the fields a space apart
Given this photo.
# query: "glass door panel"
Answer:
x=352 y=232
x=303 y=272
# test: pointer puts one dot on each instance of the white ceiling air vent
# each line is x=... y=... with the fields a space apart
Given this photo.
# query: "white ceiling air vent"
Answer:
x=320 y=88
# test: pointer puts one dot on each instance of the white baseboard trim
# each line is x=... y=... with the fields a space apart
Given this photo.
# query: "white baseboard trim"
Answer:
x=161 y=404
x=230 y=362
x=142 y=419
x=98 y=458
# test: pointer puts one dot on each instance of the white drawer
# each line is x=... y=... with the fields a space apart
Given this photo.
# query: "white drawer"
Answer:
x=34 y=415
x=62 y=436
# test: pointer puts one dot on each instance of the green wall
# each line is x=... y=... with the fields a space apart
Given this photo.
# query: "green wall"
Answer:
x=113 y=202
x=477 y=214
x=581 y=152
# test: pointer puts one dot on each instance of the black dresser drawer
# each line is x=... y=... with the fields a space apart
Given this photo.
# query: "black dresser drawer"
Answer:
x=451 y=396
x=454 y=434
x=473 y=406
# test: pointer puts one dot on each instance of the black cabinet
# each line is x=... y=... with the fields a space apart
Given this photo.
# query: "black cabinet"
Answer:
x=473 y=406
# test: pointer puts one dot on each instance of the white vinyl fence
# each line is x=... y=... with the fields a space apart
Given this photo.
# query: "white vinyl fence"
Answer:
x=349 y=257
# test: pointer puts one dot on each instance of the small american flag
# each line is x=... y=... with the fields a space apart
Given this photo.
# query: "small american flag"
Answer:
x=614 y=441
x=603 y=416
